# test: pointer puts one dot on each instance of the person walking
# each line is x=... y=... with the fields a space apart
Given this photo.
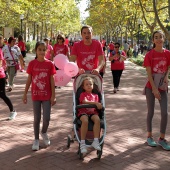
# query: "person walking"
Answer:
x=1 y=46
x=125 y=47
x=3 y=95
x=104 y=45
x=117 y=58
x=60 y=47
x=12 y=55
x=50 y=53
x=22 y=46
x=157 y=63
x=111 y=46
x=88 y=52
x=135 y=50
x=40 y=76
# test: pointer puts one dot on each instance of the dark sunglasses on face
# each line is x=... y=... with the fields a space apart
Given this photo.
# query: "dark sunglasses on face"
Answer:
x=116 y=46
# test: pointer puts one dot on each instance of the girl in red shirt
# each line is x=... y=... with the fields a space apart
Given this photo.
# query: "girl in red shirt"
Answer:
x=157 y=63
x=87 y=97
x=40 y=77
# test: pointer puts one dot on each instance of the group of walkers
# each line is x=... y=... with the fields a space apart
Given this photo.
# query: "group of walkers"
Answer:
x=10 y=56
x=89 y=55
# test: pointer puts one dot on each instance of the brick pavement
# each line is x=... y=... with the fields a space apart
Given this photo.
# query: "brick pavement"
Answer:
x=124 y=149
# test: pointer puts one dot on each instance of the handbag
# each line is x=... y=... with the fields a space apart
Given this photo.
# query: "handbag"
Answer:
x=16 y=64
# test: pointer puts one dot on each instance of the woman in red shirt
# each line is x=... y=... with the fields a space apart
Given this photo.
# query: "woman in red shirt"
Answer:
x=60 y=47
x=117 y=58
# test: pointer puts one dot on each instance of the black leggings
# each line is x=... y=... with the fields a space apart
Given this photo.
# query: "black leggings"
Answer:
x=3 y=94
x=116 y=77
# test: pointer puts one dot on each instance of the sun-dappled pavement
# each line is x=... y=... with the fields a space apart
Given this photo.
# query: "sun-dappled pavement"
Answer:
x=124 y=147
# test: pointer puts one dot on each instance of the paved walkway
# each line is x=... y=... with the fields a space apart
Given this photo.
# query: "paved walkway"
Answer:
x=124 y=149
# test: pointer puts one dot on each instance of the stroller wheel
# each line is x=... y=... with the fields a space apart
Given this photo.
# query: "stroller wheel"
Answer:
x=68 y=141
x=80 y=155
x=99 y=154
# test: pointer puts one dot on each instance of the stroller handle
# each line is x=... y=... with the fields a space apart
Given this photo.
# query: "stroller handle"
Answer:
x=88 y=106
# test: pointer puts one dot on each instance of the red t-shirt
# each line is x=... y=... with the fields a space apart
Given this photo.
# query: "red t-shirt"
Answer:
x=118 y=64
x=103 y=43
x=60 y=49
x=111 y=46
x=87 y=55
x=21 y=45
x=158 y=61
x=41 y=74
x=2 y=73
x=90 y=97
x=48 y=52
x=66 y=41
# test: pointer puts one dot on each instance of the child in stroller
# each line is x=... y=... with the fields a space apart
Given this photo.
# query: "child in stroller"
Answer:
x=84 y=114
x=95 y=111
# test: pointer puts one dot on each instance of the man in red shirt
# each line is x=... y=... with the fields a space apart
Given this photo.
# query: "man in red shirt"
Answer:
x=88 y=53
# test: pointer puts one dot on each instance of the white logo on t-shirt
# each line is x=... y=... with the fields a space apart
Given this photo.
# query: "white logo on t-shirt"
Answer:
x=38 y=80
x=88 y=62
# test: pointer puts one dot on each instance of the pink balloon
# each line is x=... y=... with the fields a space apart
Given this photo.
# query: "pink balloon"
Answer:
x=60 y=60
x=71 y=69
x=61 y=79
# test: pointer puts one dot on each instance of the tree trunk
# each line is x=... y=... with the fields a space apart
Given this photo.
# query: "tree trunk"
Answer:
x=34 y=31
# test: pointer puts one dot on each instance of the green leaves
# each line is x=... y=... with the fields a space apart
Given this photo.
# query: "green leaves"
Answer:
x=59 y=13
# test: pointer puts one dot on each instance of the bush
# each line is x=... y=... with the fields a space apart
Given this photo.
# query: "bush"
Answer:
x=30 y=45
x=138 y=60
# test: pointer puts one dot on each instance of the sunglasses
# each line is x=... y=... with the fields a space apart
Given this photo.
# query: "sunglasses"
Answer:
x=116 y=46
x=59 y=38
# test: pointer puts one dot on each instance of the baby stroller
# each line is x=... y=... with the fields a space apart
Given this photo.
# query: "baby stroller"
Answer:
x=77 y=90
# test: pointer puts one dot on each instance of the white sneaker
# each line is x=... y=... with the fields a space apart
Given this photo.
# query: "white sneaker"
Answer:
x=96 y=145
x=12 y=115
x=45 y=139
x=35 y=146
x=7 y=85
x=83 y=148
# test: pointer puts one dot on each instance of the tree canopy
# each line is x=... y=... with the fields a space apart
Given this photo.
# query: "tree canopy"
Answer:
x=110 y=18
x=121 y=17
x=59 y=15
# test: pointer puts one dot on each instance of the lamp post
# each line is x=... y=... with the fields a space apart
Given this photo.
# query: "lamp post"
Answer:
x=21 y=18
x=139 y=24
